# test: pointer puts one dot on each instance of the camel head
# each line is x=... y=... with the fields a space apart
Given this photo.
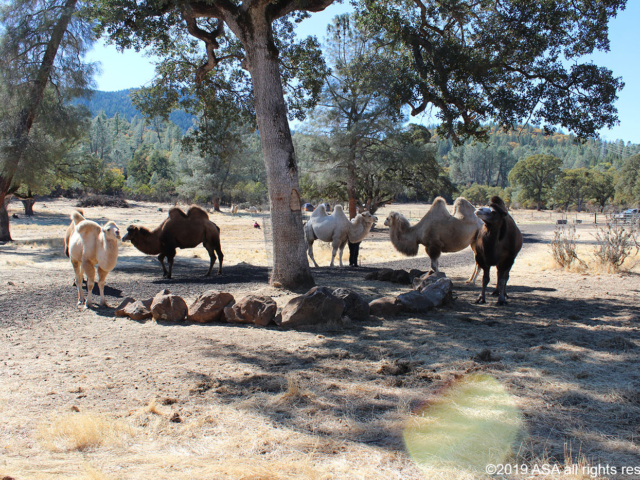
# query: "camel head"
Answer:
x=493 y=214
x=132 y=232
x=111 y=230
x=368 y=218
x=396 y=219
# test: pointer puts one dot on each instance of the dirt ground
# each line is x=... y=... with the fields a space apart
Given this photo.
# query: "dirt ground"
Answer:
x=90 y=396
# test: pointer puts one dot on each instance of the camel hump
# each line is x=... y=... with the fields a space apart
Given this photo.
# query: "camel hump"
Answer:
x=338 y=212
x=463 y=208
x=196 y=212
x=176 y=213
x=86 y=227
x=320 y=211
x=439 y=207
x=76 y=217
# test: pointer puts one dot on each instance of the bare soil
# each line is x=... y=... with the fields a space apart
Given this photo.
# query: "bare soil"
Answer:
x=228 y=401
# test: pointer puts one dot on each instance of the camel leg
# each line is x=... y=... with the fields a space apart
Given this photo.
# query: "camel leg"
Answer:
x=434 y=253
x=220 y=257
x=161 y=260
x=170 y=258
x=77 y=267
x=310 y=252
x=336 y=246
x=341 y=252
x=503 y=278
x=474 y=275
x=485 y=282
x=212 y=257
x=102 y=280
x=90 y=271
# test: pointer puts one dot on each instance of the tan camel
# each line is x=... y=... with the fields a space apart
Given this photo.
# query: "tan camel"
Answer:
x=91 y=245
x=439 y=231
x=337 y=229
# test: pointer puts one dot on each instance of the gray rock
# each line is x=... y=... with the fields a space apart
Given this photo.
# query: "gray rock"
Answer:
x=371 y=275
x=319 y=305
x=209 y=306
x=439 y=293
x=414 y=273
x=414 y=302
x=385 y=307
x=256 y=309
x=171 y=308
x=427 y=279
x=354 y=305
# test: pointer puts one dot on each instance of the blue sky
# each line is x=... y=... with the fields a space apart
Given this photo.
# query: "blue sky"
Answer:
x=131 y=69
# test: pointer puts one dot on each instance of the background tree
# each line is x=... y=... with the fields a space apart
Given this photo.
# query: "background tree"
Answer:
x=511 y=61
x=572 y=187
x=628 y=186
x=42 y=44
x=601 y=187
x=535 y=177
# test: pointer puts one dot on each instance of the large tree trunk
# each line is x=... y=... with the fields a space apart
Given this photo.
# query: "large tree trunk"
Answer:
x=5 y=234
x=27 y=203
x=290 y=264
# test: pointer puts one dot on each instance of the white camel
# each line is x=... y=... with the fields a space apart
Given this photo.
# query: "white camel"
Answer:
x=336 y=229
x=91 y=245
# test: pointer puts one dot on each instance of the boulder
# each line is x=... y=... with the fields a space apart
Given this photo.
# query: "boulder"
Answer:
x=385 y=307
x=401 y=276
x=439 y=293
x=135 y=309
x=414 y=273
x=354 y=305
x=385 y=275
x=427 y=279
x=209 y=306
x=256 y=309
x=168 y=307
x=414 y=302
x=319 y=305
x=371 y=275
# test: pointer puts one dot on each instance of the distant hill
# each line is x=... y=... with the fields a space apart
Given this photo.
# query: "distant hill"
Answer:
x=120 y=102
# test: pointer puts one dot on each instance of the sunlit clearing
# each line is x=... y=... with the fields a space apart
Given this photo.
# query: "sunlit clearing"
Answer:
x=471 y=424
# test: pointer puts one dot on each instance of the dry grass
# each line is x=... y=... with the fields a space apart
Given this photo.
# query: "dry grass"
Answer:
x=80 y=432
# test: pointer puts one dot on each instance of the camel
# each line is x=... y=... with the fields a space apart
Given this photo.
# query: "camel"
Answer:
x=178 y=230
x=498 y=244
x=337 y=229
x=234 y=209
x=70 y=229
x=439 y=231
x=91 y=245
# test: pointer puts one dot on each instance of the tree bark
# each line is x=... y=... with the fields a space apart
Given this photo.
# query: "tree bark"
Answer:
x=5 y=234
x=290 y=263
x=27 y=203
x=216 y=204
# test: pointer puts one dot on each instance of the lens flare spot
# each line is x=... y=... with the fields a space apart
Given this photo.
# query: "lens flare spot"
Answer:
x=470 y=424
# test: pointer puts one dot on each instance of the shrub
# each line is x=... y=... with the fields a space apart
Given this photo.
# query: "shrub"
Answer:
x=93 y=200
x=563 y=246
x=615 y=244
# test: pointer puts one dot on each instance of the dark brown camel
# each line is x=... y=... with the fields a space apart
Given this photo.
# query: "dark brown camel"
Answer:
x=498 y=244
x=179 y=230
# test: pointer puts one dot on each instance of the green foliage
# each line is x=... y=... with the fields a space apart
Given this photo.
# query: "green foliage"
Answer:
x=628 y=186
x=510 y=61
x=535 y=177
x=476 y=194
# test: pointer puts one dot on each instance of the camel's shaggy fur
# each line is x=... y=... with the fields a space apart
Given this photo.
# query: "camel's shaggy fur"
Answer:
x=439 y=231
x=498 y=243
x=91 y=245
x=337 y=229
x=179 y=230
